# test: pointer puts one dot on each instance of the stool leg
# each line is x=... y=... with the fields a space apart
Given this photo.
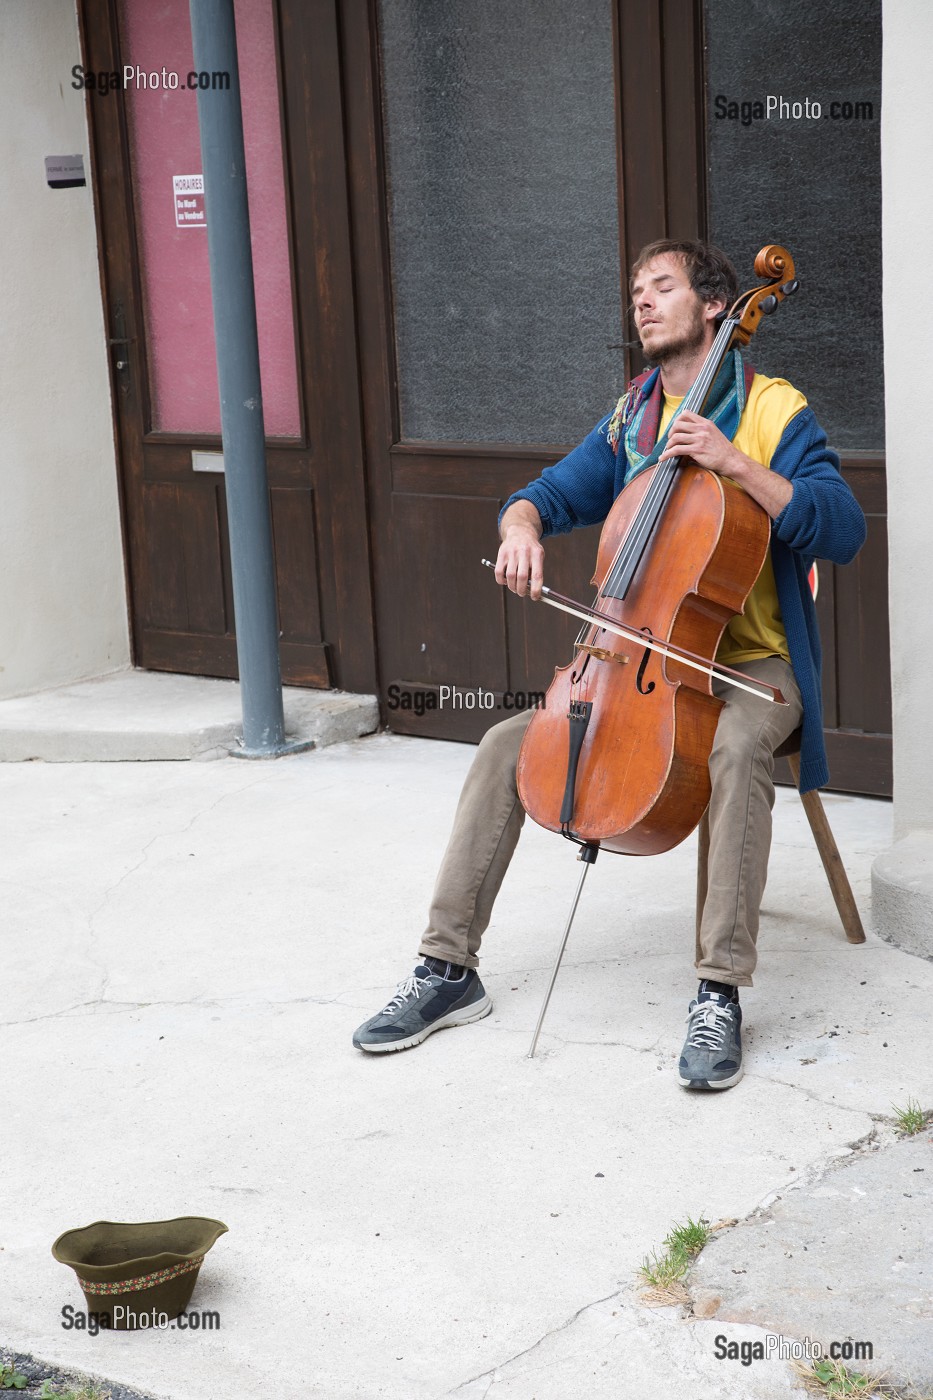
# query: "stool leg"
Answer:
x=829 y=855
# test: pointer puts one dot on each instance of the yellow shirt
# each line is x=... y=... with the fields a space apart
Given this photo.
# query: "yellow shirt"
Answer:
x=759 y=630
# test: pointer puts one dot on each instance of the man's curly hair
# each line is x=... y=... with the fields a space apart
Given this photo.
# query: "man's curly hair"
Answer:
x=711 y=274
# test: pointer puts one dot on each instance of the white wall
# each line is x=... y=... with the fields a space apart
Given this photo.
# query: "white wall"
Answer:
x=902 y=878
x=907 y=224
x=63 y=610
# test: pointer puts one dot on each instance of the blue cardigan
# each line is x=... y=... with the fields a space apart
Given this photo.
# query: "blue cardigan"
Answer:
x=822 y=519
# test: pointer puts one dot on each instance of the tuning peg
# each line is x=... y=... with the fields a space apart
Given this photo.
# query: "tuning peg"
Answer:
x=768 y=305
x=789 y=288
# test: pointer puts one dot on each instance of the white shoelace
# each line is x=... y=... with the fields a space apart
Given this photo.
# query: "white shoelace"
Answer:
x=411 y=986
x=709 y=1023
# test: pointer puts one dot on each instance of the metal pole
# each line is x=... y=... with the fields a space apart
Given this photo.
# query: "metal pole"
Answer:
x=221 y=123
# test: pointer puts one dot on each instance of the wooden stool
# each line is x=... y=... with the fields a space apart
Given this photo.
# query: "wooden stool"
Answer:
x=825 y=844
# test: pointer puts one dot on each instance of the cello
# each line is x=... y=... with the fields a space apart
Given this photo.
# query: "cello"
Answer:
x=618 y=757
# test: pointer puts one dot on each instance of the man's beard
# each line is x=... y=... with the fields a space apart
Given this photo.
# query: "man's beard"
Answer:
x=687 y=343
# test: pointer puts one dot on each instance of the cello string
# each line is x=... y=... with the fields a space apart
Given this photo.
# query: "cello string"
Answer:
x=695 y=397
x=639 y=529
x=650 y=506
x=649 y=511
x=643 y=524
x=635 y=540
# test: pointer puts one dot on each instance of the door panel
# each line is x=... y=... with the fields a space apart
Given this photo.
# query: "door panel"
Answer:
x=448 y=638
x=156 y=286
x=294 y=531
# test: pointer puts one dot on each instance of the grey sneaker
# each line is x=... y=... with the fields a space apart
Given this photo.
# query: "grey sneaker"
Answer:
x=712 y=1053
x=424 y=1003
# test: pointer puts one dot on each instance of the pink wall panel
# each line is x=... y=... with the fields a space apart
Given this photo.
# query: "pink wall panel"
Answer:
x=156 y=34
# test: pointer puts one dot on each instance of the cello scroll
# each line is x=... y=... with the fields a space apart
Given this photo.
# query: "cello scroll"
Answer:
x=775 y=263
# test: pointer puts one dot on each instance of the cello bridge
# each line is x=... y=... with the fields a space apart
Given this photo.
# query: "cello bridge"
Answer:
x=601 y=654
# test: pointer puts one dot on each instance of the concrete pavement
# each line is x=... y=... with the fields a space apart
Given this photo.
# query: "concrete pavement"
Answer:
x=144 y=716
x=188 y=950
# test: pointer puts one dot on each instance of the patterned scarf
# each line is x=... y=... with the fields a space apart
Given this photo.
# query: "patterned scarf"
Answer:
x=638 y=413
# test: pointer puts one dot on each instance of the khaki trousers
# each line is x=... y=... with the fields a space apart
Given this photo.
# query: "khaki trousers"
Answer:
x=736 y=829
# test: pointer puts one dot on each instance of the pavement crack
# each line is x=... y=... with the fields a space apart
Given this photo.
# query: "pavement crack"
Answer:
x=810 y=1176
x=122 y=1008
x=525 y=1031
x=808 y=1094
x=492 y=1371
x=63 y=1013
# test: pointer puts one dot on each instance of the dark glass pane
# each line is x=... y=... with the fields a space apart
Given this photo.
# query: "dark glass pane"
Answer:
x=500 y=134
x=813 y=184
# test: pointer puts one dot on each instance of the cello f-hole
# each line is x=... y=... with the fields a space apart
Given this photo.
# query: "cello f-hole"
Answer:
x=644 y=689
x=577 y=676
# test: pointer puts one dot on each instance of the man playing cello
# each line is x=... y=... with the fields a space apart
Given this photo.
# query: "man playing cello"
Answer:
x=760 y=433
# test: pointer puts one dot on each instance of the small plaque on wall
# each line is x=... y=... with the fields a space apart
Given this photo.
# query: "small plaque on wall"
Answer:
x=207 y=461
x=64 y=172
x=189 y=201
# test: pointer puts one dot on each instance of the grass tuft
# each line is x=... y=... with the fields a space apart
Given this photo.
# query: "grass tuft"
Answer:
x=834 y=1379
x=911 y=1119
x=662 y=1271
x=689 y=1239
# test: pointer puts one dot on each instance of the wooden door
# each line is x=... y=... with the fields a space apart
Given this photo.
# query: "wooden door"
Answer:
x=439 y=93
x=501 y=176
x=156 y=290
x=814 y=184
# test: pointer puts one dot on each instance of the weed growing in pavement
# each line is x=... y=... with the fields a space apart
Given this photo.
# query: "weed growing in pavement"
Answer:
x=834 y=1379
x=689 y=1239
x=663 y=1271
x=911 y=1119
